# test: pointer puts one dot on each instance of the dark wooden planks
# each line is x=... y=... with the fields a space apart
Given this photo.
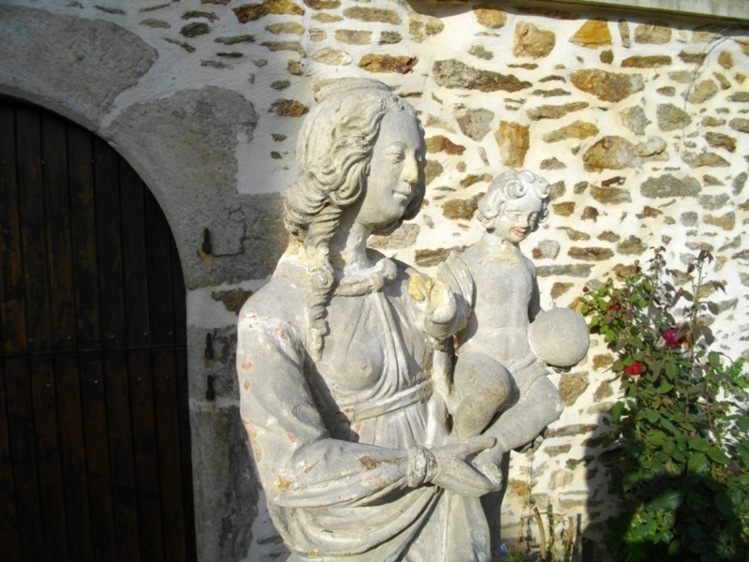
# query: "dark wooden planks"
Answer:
x=10 y=543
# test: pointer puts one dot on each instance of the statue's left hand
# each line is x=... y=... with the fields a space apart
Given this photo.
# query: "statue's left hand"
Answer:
x=488 y=462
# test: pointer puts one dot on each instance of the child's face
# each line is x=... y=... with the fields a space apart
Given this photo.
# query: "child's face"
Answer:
x=518 y=218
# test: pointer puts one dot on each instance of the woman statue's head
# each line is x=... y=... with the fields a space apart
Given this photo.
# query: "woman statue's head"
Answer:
x=334 y=153
x=333 y=157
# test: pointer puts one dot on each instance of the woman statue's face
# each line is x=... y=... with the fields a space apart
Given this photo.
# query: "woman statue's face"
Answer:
x=397 y=165
x=518 y=218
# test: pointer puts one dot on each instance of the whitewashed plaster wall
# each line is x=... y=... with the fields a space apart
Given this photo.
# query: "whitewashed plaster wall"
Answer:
x=639 y=121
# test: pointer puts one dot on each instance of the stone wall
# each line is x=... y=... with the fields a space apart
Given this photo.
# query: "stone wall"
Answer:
x=640 y=122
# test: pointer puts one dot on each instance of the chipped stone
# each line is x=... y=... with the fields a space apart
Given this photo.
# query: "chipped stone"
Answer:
x=739 y=182
x=624 y=34
x=604 y=389
x=293 y=46
x=429 y=258
x=156 y=24
x=325 y=17
x=612 y=153
x=572 y=386
x=473 y=179
x=475 y=123
x=564 y=209
x=632 y=246
x=291 y=27
x=421 y=26
x=453 y=73
x=726 y=222
x=513 y=140
x=441 y=143
x=653 y=149
x=669 y=91
x=592 y=34
x=725 y=59
x=722 y=80
x=608 y=236
x=353 y=37
x=635 y=120
x=572 y=270
x=671 y=118
x=702 y=92
x=232 y=299
x=576 y=235
x=709 y=159
x=607 y=86
x=552 y=164
x=390 y=38
x=531 y=41
x=195 y=29
x=289 y=108
x=741 y=97
x=322 y=4
x=692 y=58
x=577 y=130
x=457 y=209
x=669 y=185
x=316 y=35
x=741 y=125
x=546 y=249
x=235 y=39
x=402 y=237
x=555 y=111
x=590 y=253
x=253 y=12
x=377 y=15
x=432 y=170
x=610 y=195
x=556 y=450
x=375 y=63
x=607 y=57
x=649 y=213
x=557 y=190
x=551 y=93
x=481 y=52
x=714 y=202
x=492 y=18
x=590 y=213
x=652 y=61
x=653 y=34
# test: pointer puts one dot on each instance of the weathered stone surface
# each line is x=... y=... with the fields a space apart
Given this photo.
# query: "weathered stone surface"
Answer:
x=607 y=86
x=555 y=111
x=402 y=237
x=481 y=52
x=156 y=24
x=375 y=63
x=432 y=171
x=669 y=91
x=710 y=159
x=590 y=213
x=571 y=430
x=551 y=93
x=322 y=4
x=576 y=235
x=739 y=182
x=725 y=59
x=59 y=73
x=692 y=58
x=738 y=124
x=652 y=149
x=316 y=35
x=556 y=450
x=253 y=12
x=475 y=123
x=572 y=386
x=548 y=249
x=232 y=299
x=552 y=164
x=390 y=38
x=378 y=15
x=429 y=258
x=632 y=246
x=332 y=57
x=235 y=39
x=291 y=27
x=456 y=209
x=531 y=41
x=325 y=17
x=421 y=26
x=513 y=140
x=669 y=185
x=573 y=270
x=608 y=236
x=195 y=29
x=593 y=33
x=564 y=209
x=649 y=213
x=289 y=108
x=590 y=253
x=671 y=118
x=441 y=143
x=492 y=18
x=576 y=130
x=726 y=222
x=453 y=73
x=652 y=61
x=702 y=92
x=473 y=179
x=603 y=391
x=293 y=46
x=653 y=34
x=741 y=97
x=557 y=190
x=610 y=195
x=714 y=202
x=612 y=153
x=624 y=33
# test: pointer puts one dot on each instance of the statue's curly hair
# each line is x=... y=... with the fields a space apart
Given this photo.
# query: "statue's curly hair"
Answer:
x=509 y=186
x=333 y=155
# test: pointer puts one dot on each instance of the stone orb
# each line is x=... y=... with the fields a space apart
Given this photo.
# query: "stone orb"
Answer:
x=559 y=337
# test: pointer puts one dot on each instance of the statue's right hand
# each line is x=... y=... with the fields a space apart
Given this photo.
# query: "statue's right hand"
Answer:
x=455 y=472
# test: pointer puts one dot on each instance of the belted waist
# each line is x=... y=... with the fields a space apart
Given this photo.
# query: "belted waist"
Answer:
x=378 y=407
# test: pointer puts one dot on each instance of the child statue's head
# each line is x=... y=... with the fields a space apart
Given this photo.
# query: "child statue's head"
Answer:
x=515 y=203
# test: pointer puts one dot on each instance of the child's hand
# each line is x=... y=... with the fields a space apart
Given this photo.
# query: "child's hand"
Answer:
x=440 y=304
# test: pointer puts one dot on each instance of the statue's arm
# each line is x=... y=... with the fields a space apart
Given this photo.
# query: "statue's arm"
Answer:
x=534 y=306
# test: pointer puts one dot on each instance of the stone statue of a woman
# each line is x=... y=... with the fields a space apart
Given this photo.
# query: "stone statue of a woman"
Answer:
x=336 y=354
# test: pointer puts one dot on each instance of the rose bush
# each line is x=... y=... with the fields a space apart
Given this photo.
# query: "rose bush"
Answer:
x=678 y=446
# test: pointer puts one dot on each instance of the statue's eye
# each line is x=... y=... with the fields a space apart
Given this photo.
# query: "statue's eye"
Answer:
x=395 y=155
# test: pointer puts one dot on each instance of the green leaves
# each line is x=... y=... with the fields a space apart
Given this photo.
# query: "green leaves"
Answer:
x=681 y=430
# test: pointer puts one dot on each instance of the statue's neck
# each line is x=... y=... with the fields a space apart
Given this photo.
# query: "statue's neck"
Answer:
x=348 y=248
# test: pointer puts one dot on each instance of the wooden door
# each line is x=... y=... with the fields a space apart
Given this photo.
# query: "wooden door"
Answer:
x=94 y=433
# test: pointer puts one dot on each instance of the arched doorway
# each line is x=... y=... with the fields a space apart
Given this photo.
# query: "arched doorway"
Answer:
x=94 y=429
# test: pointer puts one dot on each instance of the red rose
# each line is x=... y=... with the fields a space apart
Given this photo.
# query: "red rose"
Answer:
x=634 y=369
x=672 y=339
x=615 y=307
